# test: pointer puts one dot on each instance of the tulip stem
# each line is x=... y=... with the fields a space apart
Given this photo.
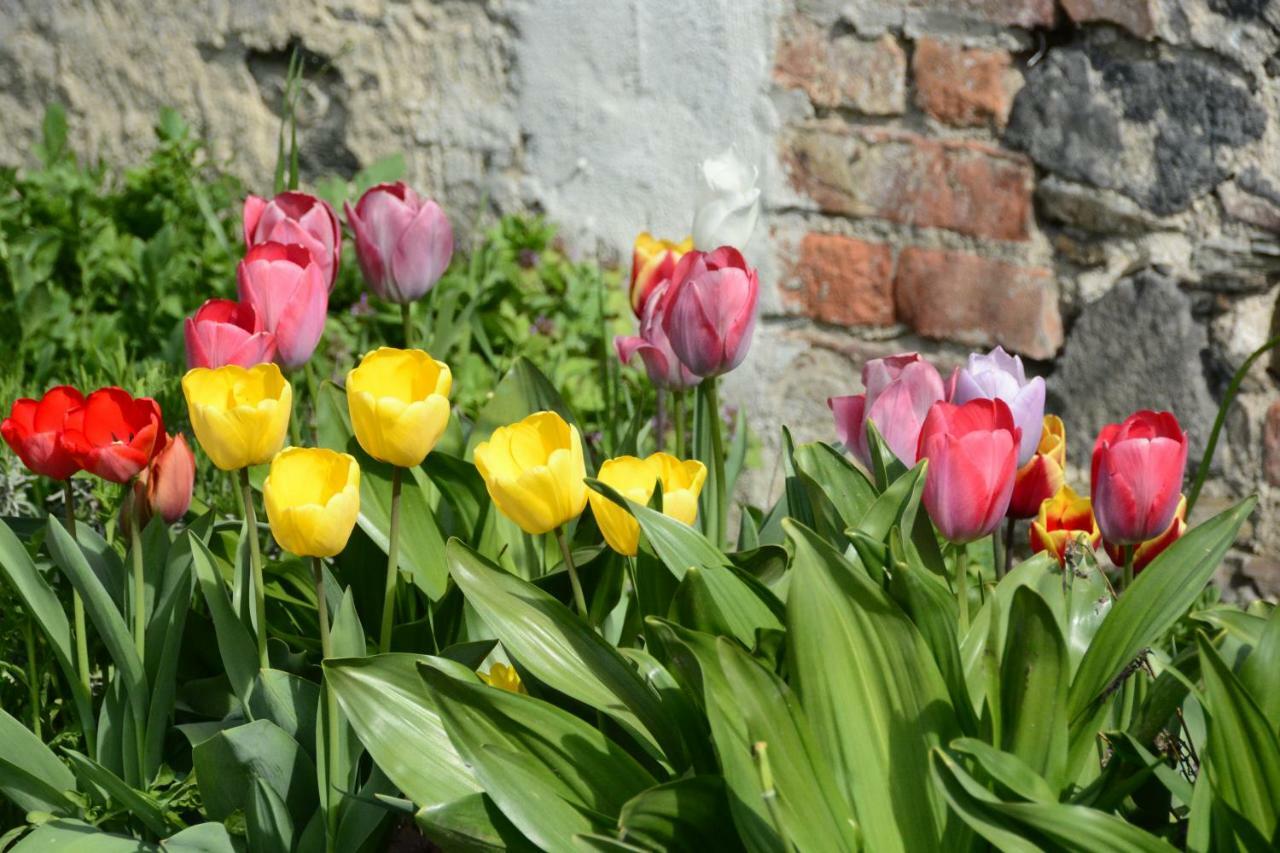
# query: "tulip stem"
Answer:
x=255 y=565
x=1008 y=545
x=579 y=600
x=660 y=421
x=331 y=707
x=33 y=673
x=393 y=558
x=680 y=423
x=77 y=606
x=139 y=584
x=716 y=525
x=997 y=555
x=1127 y=577
x=322 y=606
x=962 y=585
x=406 y=321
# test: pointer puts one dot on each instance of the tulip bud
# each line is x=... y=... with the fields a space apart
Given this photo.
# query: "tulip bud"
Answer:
x=403 y=242
x=635 y=479
x=534 y=471
x=503 y=677
x=728 y=202
x=170 y=480
x=1137 y=476
x=294 y=217
x=999 y=376
x=286 y=289
x=240 y=416
x=312 y=497
x=653 y=346
x=1040 y=479
x=1064 y=518
x=33 y=431
x=900 y=390
x=112 y=434
x=710 y=313
x=225 y=332
x=972 y=452
x=1145 y=552
x=652 y=262
x=399 y=404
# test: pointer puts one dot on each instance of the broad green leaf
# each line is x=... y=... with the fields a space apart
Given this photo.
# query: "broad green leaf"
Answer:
x=237 y=648
x=168 y=621
x=714 y=600
x=1007 y=769
x=287 y=700
x=30 y=774
x=894 y=507
x=227 y=763
x=137 y=803
x=470 y=824
x=73 y=836
x=686 y=814
x=201 y=838
x=270 y=828
x=1258 y=672
x=847 y=488
x=1033 y=687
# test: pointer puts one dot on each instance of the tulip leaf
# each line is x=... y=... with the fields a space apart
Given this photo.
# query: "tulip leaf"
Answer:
x=471 y=823
x=168 y=620
x=1034 y=673
x=30 y=774
x=267 y=821
x=847 y=488
x=676 y=544
x=1006 y=769
x=1258 y=673
x=687 y=814
x=227 y=763
x=141 y=805
x=238 y=650
x=717 y=601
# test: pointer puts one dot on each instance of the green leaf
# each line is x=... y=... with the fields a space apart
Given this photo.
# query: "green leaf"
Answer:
x=73 y=836
x=1007 y=769
x=236 y=647
x=523 y=391
x=471 y=824
x=227 y=763
x=847 y=488
x=30 y=774
x=137 y=803
x=686 y=814
x=1033 y=687
x=677 y=545
x=270 y=828
x=716 y=601
x=286 y=700
x=1258 y=672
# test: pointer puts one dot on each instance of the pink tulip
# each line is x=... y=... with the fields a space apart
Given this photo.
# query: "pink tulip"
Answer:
x=900 y=390
x=285 y=287
x=403 y=242
x=972 y=451
x=1137 y=476
x=225 y=332
x=710 y=313
x=170 y=480
x=294 y=217
x=653 y=346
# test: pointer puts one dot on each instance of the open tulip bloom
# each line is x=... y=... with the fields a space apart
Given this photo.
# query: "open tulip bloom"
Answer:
x=33 y=430
x=900 y=391
x=636 y=479
x=999 y=376
x=728 y=202
x=225 y=332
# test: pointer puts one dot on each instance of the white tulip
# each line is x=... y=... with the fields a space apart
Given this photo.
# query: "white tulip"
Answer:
x=728 y=202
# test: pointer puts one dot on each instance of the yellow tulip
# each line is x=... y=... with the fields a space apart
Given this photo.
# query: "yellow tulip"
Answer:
x=503 y=677
x=240 y=415
x=635 y=479
x=399 y=404
x=312 y=497
x=534 y=471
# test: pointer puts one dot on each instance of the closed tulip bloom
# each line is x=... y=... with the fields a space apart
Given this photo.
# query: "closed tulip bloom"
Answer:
x=226 y=332
x=534 y=471
x=170 y=481
x=728 y=203
x=294 y=217
x=286 y=289
x=403 y=242
x=653 y=346
x=1062 y=519
x=1040 y=479
x=900 y=390
x=33 y=430
x=999 y=376
x=399 y=404
x=503 y=677
x=240 y=415
x=313 y=497
x=1137 y=476
x=112 y=434
x=973 y=455
x=710 y=313
x=636 y=479
x=652 y=262
x=1145 y=552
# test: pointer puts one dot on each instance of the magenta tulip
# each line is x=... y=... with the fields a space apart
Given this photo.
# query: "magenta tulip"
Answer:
x=1137 y=476
x=999 y=376
x=900 y=390
x=294 y=217
x=225 y=332
x=653 y=346
x=710 y=313
x=972 y=451
x=286 y=289
x=403 y=242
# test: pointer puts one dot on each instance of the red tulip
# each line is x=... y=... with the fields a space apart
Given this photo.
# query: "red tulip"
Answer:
x=170 y=481
x=1064 y=518
x=112 y=434
x=900 y=390
x=973 y=455
x=1040 y=478
x=403 y=242
x=1137 y=476
x=1145 y=552
x=286 y=289
x=294 y=217
x=33 y=429
x=653 y=346
x=224 y=332
x=711 y=311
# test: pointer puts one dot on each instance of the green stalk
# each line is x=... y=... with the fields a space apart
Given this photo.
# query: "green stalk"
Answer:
x=962 y=585
x=1008 y=545
x=579 y=600
x=255 y=564
x=406 y=322
x=393 y=558
x=139 y=585
x=33 y=674
x=997 y=557
x=660 y=421
x=331 y=706
x=1127 y=578
x=681 y=446
x=715 y=526
x=82 y=637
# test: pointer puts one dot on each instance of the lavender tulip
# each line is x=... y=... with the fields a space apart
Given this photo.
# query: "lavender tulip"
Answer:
x=403 y=242
x=999 y=376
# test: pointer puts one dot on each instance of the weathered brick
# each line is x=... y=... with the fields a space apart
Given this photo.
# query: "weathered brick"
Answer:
x=846 y=71
x=978 y=301
x=958 y=185
x=1005 y=13
x=1271 y=445
x=844 y=281
x=963 y=87
x=1136 y=16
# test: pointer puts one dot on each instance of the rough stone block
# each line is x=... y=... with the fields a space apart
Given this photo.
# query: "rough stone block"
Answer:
x=846 y=71
x=1271 y=445
x=844 y=281
x=963 y=87
x=1136 y=16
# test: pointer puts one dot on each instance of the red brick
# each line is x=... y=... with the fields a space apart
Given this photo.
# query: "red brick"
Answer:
x=963 y=87
x=1271 y=444
x=1136 y=16
x=867 y=76
x=978 y=301
x=957 y=185
x=844 y=281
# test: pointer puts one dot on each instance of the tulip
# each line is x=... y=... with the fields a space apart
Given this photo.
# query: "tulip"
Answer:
x=170 y=480
x=33 y=431
x=403 y=242
x=1137 y=476
x=399 y=404
x=313 y=497
x=1062 y=519
x=972 y=451
x=728 y=202
x=900 y=390
x=225 y=332
x=1145 y=552
x=294 y=217
x=534 y=471
x=652 y=262
x=635 y=479
x=112 y=434
x=503 y=677
x=710 y=313
x=240 y=415
x=665 y=370
x=999 y=376
x=286 y=288
x=1040 y=479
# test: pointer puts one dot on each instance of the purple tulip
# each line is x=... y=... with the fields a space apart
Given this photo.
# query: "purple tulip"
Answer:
x=403 y=242
x=653 y=346
x=900 y=390
x=710 y=314
x=286 y=288
x=999 y=376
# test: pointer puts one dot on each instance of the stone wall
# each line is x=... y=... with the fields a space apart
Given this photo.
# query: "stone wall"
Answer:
x=1091 y=183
